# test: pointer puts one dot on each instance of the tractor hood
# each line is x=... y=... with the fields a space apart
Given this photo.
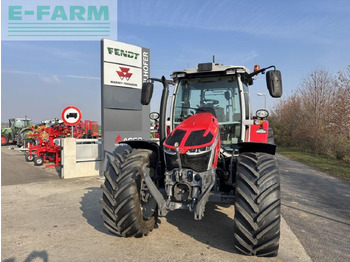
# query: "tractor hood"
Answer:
x=194 y=133
x=199 y=143
x=5 y=130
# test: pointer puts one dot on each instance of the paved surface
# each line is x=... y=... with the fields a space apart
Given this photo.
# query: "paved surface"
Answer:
x=17 y=171
x=58 y=220
x=317 y=208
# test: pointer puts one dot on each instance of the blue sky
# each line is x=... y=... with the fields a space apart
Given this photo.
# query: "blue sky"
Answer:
x=41 y=78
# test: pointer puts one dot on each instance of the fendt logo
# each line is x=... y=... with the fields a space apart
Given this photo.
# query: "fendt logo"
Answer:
x=121 y=52
x=124 y=73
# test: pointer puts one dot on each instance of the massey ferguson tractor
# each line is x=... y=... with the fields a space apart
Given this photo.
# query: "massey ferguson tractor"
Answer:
x=215 y=151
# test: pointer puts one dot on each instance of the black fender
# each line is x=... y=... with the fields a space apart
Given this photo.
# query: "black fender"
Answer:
x=151 y=145
x=144 y=144
x=257 y=147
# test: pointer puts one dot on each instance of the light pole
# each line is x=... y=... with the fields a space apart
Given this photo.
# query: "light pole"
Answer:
x=261 y=94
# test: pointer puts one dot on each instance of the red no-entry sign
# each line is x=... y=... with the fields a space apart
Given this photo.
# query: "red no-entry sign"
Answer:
x=71 y=115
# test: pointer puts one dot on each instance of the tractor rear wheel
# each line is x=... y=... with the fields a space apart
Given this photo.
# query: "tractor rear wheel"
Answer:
x=4 y=139
x=257 y=207
x=23 y=136
x=128 y=207
x=38 y=161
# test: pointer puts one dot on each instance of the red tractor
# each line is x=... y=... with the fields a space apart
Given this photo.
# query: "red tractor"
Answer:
x=216 y=151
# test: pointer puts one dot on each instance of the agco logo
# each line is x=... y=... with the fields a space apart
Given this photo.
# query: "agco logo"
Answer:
x=124 y=73
x=119 y=139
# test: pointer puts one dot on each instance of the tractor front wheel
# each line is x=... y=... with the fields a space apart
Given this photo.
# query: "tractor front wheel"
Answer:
x=128 y=207
x=4 y=139
x=38 y=161
x=257 y=207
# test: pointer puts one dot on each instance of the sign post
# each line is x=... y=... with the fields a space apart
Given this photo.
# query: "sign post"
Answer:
x=71 y=116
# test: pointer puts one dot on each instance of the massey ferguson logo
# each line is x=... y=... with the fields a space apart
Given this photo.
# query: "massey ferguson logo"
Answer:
x=124 y=73
x=124 y=77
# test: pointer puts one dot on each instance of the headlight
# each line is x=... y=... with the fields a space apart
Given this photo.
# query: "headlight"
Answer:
x=154 y=115
x=198 y=151
x=262 y=113
x=258 y=122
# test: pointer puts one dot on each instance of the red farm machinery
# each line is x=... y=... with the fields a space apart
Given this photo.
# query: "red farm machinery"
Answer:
x=46 y=146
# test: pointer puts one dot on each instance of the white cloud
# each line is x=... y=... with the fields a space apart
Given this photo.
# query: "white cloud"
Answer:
x=84 y=77
x=49 y=78
x=53 y=79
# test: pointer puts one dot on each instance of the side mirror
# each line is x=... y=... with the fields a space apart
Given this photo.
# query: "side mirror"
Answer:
x=274 y=83
x=146 y=93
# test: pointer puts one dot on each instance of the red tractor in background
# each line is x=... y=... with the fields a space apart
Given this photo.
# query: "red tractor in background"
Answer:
x=216 y=151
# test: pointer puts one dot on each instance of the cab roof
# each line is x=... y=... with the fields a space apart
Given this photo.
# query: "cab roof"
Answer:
x=19 y=119
x=211 y=68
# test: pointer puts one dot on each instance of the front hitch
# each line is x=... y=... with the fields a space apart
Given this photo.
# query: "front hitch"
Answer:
x=162 y=211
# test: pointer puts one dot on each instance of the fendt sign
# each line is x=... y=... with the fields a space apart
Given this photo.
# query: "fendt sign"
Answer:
x=125 y=65
x=124 y=68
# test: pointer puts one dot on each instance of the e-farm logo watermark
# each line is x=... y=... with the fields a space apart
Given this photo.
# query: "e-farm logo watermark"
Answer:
x=58 y=19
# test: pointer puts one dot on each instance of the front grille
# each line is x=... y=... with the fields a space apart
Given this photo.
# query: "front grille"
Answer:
x=176 y=137
x=198 y=163
x=196 y=138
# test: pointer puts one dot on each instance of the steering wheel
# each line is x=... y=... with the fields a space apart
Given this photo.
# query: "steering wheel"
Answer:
x=210 y=101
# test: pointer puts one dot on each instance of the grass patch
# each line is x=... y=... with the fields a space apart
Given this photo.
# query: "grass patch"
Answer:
x=334 y=167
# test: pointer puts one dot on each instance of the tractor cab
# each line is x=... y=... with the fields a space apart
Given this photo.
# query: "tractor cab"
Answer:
x=19 y=122
x=218 y=94
x=221 y=90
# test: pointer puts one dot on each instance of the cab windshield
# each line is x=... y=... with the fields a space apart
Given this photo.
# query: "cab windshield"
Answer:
x=219 y=95
x=19 y=123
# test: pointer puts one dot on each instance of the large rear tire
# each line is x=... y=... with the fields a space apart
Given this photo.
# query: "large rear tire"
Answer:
x=128 y=207
x=257 y=207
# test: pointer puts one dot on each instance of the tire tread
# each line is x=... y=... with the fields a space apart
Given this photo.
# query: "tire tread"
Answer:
x=120 y=203
x=257 y=212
